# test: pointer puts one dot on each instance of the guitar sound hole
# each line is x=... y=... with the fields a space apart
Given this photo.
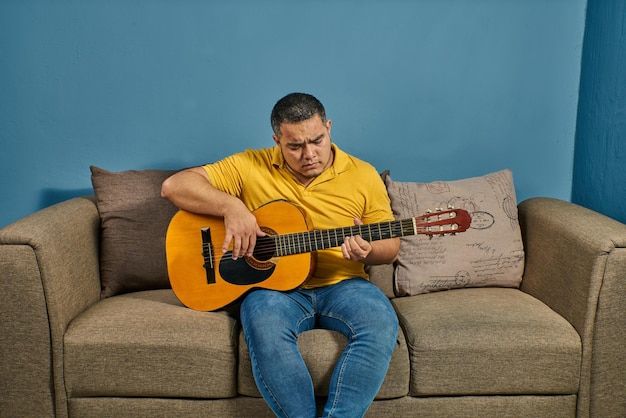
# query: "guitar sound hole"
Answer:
x=265 y=248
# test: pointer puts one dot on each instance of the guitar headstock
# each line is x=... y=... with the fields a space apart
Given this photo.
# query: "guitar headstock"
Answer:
x=443 y=222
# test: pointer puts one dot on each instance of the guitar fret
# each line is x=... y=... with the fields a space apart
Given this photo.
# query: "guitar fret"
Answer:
x=292 y=243
x=307 y=241
x=301 y=242
x=294 y=240
x=297 y=245
x=409 y=226
x=279 y=246
x=286 y=244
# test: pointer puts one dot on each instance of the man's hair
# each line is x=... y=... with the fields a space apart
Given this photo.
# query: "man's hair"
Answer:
x=295 y=107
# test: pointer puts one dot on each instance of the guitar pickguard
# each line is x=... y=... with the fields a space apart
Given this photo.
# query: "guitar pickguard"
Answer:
x=242 y=271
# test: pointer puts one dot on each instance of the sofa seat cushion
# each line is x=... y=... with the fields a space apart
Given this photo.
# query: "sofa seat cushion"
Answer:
x=489 y=341
x=147 y=344
x=321 y=350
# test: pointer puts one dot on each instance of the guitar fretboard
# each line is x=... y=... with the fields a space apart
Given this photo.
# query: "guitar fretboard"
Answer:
x=304 y=242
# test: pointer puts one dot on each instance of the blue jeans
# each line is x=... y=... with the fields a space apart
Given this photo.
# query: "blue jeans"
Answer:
x=273 y=320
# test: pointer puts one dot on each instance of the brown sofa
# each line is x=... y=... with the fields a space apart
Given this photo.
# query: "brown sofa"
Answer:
x=555 y=347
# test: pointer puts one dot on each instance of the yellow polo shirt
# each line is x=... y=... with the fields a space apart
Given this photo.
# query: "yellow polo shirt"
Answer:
x=350 y=188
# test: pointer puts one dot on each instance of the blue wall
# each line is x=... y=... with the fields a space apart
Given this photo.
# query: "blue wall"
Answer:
x=599 y=180
x=432 y=89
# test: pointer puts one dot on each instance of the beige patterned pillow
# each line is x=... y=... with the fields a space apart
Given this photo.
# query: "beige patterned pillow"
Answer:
x=489 y=253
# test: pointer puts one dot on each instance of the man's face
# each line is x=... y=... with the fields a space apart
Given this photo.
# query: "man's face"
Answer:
x=306 y=147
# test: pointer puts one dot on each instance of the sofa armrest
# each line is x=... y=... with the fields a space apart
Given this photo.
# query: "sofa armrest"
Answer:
x=576 y=264
x=49 y=273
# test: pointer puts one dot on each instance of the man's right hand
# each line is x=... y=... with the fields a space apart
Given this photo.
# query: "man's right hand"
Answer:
x=191 y=190
x=242 y=230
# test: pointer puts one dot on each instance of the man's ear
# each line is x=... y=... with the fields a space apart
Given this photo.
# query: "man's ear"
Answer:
x=276 y=140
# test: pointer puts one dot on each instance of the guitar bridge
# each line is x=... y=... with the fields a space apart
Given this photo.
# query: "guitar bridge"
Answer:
x=207 y=255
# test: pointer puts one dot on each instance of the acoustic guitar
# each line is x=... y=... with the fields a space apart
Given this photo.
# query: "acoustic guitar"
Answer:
x=205 y=278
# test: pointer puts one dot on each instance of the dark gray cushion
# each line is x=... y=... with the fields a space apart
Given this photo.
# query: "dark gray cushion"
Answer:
x=134 y=220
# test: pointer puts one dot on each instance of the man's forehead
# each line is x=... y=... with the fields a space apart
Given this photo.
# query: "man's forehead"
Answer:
x=300 y=140
x=306 y=130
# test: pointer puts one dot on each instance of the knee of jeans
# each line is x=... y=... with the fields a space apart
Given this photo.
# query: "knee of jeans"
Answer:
x=258 y=303
x=270 y=313
x=385 y=329
x=251 y=314
x=391 y=330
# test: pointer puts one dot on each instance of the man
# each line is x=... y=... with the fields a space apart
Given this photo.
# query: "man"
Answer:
x=336 y=190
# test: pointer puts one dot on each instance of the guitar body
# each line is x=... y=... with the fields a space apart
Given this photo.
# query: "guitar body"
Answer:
x=204 y=278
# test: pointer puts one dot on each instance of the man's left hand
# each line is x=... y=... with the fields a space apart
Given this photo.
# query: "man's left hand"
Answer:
x=356 y=248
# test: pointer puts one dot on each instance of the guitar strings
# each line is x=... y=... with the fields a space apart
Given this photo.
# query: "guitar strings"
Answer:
x=308 y=241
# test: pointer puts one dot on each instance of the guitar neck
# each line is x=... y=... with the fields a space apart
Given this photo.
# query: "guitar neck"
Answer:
x=305 y=242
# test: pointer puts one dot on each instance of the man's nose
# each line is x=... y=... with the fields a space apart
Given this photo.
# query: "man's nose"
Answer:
x=307 y=151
